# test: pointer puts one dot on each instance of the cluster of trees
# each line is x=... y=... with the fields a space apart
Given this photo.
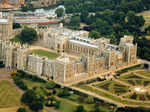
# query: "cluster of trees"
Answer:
x=144 y=48
x=16 y=25
x=20 y=83
x=50 y=85
x=64 y=92
x=59 y=12
x=38 y=97
x=27 y=35
x=47 y=95
x=28 y=76
x=75 y=6
x=112 y=19
x=34 y=98
x=22 y=110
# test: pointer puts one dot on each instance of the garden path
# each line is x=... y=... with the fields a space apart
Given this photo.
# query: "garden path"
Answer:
x=142 y=76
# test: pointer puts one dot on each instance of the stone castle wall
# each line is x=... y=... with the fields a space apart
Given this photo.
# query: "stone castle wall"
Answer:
x=64 y=69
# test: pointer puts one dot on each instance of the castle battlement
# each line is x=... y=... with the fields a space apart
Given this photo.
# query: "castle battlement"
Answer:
x=96 y=56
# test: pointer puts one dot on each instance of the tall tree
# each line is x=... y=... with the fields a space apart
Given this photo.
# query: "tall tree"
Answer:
x=28 y=35
x=59 y=12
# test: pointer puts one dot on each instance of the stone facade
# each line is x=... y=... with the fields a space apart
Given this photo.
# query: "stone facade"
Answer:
x=47 y=2
x=64 y=68
x=95 y=56
x=6 y=26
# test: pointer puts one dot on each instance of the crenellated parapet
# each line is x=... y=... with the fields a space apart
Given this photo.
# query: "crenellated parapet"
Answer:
x=97 y=57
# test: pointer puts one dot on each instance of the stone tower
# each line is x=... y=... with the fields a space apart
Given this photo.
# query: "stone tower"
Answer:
x=6 y=26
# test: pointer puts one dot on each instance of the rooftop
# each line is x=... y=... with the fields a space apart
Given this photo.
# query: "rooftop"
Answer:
x=84 y=43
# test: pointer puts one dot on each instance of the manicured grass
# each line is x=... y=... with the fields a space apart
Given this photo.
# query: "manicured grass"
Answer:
x=118 y=88
x=137 y=82
x=130 y=76
x=9 y=96
x=67 y=106
x=12 y=109
x=112 y=87
x=109 y=96
x=145 y=73
x=88 y=88
x=46 y=54
x=104 y=85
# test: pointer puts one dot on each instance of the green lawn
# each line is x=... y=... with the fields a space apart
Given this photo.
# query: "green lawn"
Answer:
x=46 y=54
x=67 y=106
x=9 y=96
x=117 y=99
x=130 y=76
x=113 y=87
x=145 y=73
x=104 y=85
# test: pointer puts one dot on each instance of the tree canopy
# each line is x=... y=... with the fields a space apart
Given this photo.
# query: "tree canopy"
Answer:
x=59 y=12
x=16 y=25
x=28 y=35
x=34 y=98
x=112 y=19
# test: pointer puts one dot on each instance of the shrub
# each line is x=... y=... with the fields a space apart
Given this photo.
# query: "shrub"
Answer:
x=90 y=100
x=64 y=92
x=14 y=74
x=57 y=104
x=2 y=64
x=19 y=82
x=21 y=110
x=36 y=106
x=31 y=77
x=80 y=108
x=50 y=85
x=16 y=25
x=146 y=66
x=81 y=99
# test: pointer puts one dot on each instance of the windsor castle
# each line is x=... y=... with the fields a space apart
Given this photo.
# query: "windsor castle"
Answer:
x=79 y=56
